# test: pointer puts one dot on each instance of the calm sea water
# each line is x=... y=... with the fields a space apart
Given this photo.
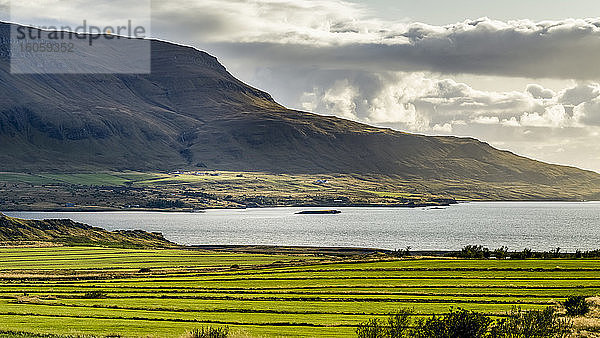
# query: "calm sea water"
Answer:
x=536 y=225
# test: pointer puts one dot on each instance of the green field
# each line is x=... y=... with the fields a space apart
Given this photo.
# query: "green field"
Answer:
x=197 y=190
x=48 y=290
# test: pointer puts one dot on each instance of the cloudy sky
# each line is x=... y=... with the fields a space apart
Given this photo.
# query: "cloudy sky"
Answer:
x=521 y=75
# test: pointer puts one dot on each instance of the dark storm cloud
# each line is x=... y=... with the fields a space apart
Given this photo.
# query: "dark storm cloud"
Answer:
x=337 y=35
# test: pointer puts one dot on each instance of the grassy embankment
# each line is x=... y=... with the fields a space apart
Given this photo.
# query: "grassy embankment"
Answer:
x=227 y=189
x=102 y=191
x=102 y=291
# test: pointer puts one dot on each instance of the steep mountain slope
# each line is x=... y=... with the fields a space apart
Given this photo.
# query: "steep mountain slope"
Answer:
x=69 y=232
x=190 y=113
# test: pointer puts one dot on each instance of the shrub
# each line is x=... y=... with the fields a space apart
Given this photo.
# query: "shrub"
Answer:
x=531 y=324
x=144 y=270
x=210 y=332
x=373 y=328
x=469 y=324
x=21 y=334
x=457 y=324
x=527 y=253
x=397 y=326
x=591 y=254
x=577 y=306
x=501 y=252
x=165 y=204
x=94 y=295
x=402 y=253
x=474 y=251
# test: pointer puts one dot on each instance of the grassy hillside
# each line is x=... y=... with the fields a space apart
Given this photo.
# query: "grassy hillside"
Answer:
x=101 y=291
x=19 y=231
x=191 y=114
x=227 y=189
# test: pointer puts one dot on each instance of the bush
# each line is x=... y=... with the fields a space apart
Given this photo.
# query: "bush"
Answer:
x=94 y=295
x=457 y=324
x=210 y=332
x=531 y=324
x=591 y=254
x=525 y=254
x=165 y=204
x=21 y=334
x=501 y=252
x=474 y=251
x=555 y=253
x=373 y=328
x=469 y=324
x=402 y=253
x=577 y=306
x=397 y=326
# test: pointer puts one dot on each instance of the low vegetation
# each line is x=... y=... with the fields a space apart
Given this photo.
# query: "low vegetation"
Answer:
x=203 y=189
x=481 y=252
x=100 y=291
x=577 y=306
x=94 y=295
x=457 y=323
x=396 y=326
x=210 y=332
x=67 y=232
x=532 y=323
x=462 y=323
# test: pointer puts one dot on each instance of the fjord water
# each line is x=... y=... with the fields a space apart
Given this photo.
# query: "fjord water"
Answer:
x=517 y=225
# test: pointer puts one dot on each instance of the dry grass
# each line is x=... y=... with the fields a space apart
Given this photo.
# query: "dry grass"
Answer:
x=589 y=325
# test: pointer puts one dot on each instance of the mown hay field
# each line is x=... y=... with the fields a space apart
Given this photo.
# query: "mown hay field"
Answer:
x=167 y=293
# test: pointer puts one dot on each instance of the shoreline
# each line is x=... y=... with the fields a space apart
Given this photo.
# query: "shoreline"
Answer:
x=311 y=250
x=188 y=210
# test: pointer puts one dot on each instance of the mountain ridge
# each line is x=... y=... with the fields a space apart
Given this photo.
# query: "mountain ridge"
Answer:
x=190 y=113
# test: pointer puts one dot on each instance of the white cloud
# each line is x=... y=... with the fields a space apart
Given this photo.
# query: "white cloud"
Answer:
x=420 y=102
x=332 y=34
x=588 y=112
x=539 y=92
x=486 y=120
x=512 y=122
x=445 y=128
x=583 y=92
x=338 y=100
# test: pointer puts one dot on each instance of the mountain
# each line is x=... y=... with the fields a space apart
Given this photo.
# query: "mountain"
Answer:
x=65 y=231
x=190 y=113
